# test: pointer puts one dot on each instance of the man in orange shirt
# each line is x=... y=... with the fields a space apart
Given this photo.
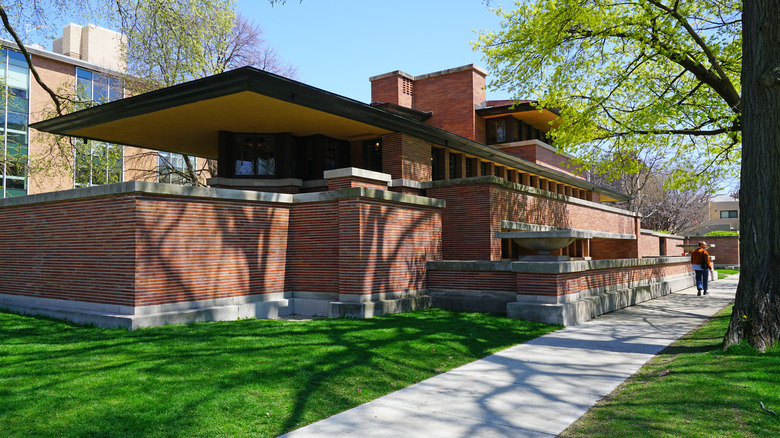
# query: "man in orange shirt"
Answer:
x=700 y=262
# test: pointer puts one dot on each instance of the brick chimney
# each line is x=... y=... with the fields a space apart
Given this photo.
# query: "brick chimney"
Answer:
x=451 y=95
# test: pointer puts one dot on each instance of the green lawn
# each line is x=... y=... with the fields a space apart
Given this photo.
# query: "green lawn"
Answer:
x=723 y=273
x=693 y=389
x=256 y=378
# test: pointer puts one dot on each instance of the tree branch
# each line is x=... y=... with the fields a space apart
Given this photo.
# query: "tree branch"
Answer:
x=54 y=96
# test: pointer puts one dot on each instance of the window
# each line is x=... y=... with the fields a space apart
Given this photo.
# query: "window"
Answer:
x=496 y=131
x=436 y=164
x=728 y=214
x=469 y=167
x=97 y=163
x=14 y=111
x=255 y=155
x=372 y=155
x=453 y=162
x=94 y=88
x=172 y=168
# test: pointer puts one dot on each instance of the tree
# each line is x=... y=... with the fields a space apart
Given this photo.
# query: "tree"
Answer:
x=661 y=208
x=173 y=41
x=664 y=75
x=649 y=75
x=167 y=42
x=756 y=315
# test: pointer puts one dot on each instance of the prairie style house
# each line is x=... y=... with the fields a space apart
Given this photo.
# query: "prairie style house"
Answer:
x=323 y=205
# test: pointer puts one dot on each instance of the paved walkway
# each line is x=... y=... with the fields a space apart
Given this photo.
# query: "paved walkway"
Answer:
x=536 y=389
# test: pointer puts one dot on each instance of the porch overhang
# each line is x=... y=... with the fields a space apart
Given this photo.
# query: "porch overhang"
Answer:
x=187 y=118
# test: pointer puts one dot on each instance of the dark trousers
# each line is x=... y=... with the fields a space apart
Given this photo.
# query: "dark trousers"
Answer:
x=701 y=279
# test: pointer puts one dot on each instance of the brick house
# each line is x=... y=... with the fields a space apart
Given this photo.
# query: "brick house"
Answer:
x=323 y=205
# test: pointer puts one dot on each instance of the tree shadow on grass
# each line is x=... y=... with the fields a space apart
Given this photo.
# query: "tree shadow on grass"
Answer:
x=222 y=378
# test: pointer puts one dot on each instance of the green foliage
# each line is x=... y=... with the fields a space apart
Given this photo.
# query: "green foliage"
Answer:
x=630 y=80
x=241 y=378
x=693 y=389
x=722 y=233
x=173 y=41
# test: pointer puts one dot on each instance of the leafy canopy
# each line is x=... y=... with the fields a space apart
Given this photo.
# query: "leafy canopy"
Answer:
x=630 y=78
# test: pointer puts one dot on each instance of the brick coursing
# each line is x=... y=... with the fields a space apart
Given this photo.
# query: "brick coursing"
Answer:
x=140 y=249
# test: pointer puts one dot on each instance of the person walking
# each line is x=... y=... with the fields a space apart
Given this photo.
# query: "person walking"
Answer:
x=700 y=262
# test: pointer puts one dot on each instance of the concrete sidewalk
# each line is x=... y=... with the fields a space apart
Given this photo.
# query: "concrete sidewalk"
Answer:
x=536 y=389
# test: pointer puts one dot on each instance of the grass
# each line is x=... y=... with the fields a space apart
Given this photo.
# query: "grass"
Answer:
x=693 y=389
x=723 y=273
x=241 y=378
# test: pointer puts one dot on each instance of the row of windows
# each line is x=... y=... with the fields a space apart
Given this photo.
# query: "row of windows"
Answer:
x=729 y=214
x=470 y=166
x=508 y=129
x=14 y=110
x=282 y=155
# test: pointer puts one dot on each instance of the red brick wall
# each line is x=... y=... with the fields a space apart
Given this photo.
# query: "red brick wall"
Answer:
x=725 y=251
x=474 y=214
x=512 y=205
x=466 y=221
x=649 y=245
x=141 y=249
x=406 y=157
x=471 y=280
x=189 y=249
x=353 y=181
x=384 y=247
x=551 y=285
x=540 y=155
x=574 y=282
x=312 y=251
x=81 y=250
x=451 y=98
x=391 y=90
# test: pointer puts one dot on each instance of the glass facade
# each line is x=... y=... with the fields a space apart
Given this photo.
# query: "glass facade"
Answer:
x=15 y=116
x=97 y=162
x=172 y=168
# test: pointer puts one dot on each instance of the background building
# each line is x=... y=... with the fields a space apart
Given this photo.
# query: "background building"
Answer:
x=86 y=62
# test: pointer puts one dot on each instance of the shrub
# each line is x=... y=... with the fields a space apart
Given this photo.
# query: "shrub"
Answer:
x=722 y=233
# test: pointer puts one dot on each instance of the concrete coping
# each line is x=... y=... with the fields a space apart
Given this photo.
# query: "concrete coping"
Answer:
x=403 y=182
x=556 y=267
x=163 y=189
x=151 y=188
x=364 y=192
x=550 y=231
x=657 y=234
x=357 y=172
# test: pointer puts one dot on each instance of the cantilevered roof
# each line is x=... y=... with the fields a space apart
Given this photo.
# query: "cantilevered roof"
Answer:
x=187 y=118
x=526 y=110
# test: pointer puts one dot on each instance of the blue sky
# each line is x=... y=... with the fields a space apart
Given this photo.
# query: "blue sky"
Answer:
x=338 y=44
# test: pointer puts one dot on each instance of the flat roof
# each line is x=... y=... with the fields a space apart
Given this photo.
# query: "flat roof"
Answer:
x=187 y=118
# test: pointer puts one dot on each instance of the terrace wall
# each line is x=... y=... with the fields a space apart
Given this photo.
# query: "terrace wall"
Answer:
x=476 y=207
x=146 y=249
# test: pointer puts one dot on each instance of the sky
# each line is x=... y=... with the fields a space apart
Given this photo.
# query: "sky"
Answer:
x=337 y=45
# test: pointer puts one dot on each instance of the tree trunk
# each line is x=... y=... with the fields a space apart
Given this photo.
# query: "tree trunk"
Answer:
x=756 y=316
